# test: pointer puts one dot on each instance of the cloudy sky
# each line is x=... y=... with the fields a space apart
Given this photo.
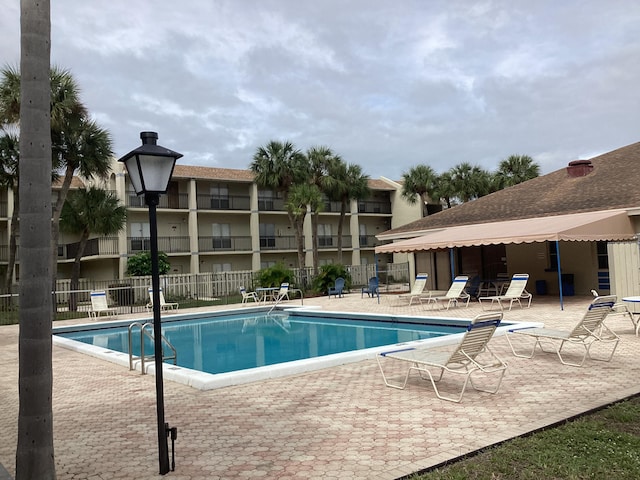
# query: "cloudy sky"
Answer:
x=386 y=84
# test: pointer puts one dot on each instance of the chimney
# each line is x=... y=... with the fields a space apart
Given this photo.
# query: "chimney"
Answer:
x=579 y=168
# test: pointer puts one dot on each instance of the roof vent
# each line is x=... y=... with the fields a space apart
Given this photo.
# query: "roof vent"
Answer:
x=579 y=168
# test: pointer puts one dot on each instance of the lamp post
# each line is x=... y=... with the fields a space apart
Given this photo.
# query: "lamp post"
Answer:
x=150 y=167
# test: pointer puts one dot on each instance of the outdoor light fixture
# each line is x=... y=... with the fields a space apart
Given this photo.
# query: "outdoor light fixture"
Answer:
x=150 y=167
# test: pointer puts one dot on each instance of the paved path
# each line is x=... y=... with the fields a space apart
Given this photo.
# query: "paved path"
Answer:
x=336 y=423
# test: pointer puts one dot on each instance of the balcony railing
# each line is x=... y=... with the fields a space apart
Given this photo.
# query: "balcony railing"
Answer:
x=94 y=247
x=331 y=207
x=327 y=242
x=177 y=201
x=369 y=241
x=278 y=243
x=373 y=207
x=230 y=202
x=165 y=244
x=271 y=205
x=224 y=244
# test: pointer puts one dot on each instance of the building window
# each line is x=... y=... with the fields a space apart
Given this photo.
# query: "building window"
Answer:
x=269 y=264
x=219 y=197
x=324 y=235
x=603 y=256
x=267 y=235
x=221 y=236
x=140 y=237
x=363 y=236
x=265 y=200
x=553 y=256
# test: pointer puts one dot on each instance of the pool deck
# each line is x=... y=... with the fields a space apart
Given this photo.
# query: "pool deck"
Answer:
x=336 y=423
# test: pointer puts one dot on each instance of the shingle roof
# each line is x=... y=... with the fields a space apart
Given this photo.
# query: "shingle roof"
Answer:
x=613 y=183
x=213 y=173
x=237 y=175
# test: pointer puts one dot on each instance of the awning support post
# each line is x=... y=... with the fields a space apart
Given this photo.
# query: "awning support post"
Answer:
x=559 y=274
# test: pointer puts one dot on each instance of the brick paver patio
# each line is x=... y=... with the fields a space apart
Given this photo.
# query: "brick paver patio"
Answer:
x=336 y=423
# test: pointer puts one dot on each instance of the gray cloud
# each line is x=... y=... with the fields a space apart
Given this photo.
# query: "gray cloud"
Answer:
x=387 y=85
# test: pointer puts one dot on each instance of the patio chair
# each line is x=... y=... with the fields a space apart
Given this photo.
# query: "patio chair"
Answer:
x=337 y=288
x=587 y=332
x=282 y=293
x=246 y=296
x=417 y=290
x=455 y=294
x=100 y=305
x=515 y=293
x=163 y=304
x=372 y=289
x=470 y=356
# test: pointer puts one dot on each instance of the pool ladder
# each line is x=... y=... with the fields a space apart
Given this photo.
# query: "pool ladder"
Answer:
x=147 y=329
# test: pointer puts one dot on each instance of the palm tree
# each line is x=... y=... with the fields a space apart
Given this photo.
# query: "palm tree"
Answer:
x=80 y=147
x=35 y=453
x=319 y=159
x=279 y=166
x=301 y=197
x=345 y=182
x=419 y=183
x=9 y=155
x=86 y=212
x=516 y=169
x=444 y=189
x=470 y=182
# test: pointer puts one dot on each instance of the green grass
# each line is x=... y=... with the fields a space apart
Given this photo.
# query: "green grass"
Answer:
x=604 y=444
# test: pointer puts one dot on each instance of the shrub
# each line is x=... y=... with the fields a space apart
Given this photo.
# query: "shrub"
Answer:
x=327 y=277
x=140 y=264
x=274 y=276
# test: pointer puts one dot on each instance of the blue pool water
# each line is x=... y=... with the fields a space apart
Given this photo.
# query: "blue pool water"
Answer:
x=227 y=348
x=232 y=342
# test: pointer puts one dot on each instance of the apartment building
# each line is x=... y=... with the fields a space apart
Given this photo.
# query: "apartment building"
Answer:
x=217 y=219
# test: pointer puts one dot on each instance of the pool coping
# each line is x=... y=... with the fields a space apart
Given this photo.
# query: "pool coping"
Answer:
x=208 y=381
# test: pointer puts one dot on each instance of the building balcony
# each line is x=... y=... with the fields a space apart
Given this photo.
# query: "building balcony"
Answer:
x=278 y=243
x=174 y=201
x=165 y=244
x=229 y=202
x=328 y=242
x=224 y=244
x=374 y=207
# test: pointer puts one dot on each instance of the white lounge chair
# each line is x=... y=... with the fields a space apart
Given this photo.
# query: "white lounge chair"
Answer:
x=163 y=304
x=515 y=293
x=100 y=305
x=455 y=294
x=587 y=332
x=417 y=290
x=470 y=356
x=246 y=296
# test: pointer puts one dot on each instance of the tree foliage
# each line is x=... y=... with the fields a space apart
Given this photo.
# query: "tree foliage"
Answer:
x=465 y=182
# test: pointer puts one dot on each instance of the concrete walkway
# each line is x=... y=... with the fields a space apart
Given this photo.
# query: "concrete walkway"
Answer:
x=336 y=423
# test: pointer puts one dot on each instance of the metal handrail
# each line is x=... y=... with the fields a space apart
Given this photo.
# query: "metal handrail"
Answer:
x=147 y=329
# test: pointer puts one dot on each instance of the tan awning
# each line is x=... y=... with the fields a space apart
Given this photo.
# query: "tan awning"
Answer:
x=589 y=226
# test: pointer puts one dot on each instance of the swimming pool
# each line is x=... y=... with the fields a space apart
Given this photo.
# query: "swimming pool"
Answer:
x=232 y=347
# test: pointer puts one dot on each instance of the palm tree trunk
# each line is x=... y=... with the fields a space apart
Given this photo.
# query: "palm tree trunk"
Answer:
x=75 y=272
x=34 y=453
